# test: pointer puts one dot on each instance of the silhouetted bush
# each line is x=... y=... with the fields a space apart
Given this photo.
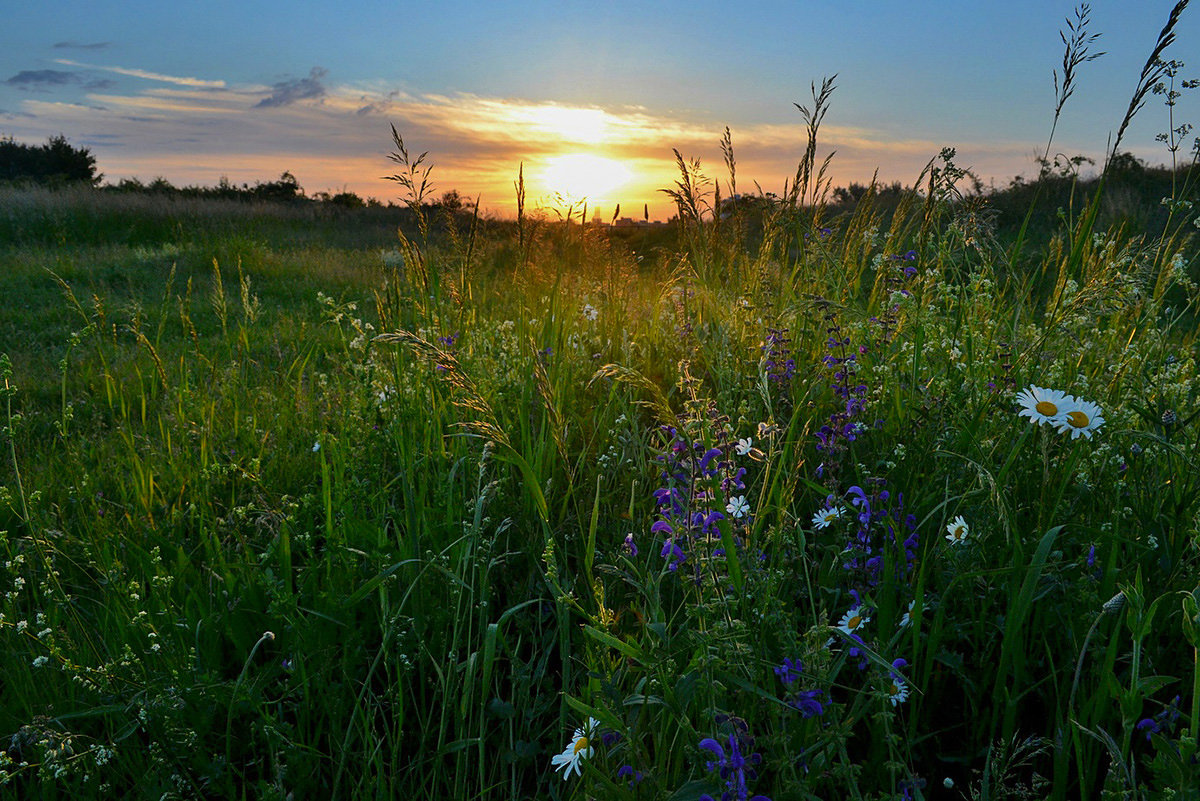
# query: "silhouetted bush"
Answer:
x=56 y=162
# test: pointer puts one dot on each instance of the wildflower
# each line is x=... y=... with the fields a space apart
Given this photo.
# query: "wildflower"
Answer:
x=1163 y=722
x=957 y=530
x=789 y=670
x=823 y=517
x=906 y=621
x=1081 y=419
x=737 y=506
x=777 y=359
x=635 y=776
x=40 y=661
x=733 y=767
x=1043 y=405
x=897 y=687
x=810 y=703
x=629 y=545
x=316 y=446
x=577 y=750
x=589 y=312
x=854 y=620
x=743 y=446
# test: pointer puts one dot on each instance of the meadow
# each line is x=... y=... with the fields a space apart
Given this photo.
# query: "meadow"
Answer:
x=891 y=499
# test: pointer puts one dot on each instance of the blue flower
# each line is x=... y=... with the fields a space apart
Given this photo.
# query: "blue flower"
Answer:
x=810 y=703
x=733 y=767
x=789 y=671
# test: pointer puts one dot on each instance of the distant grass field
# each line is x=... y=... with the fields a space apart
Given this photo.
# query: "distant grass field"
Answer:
x=892 y=499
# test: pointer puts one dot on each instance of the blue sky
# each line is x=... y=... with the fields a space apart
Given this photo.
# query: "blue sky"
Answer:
x=590 y=96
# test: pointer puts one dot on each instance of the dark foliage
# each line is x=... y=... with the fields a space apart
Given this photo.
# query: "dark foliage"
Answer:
x=55 y=163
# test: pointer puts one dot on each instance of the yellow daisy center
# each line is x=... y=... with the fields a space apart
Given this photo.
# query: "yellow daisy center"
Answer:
x=1078 y=418
x=895 y=689
x=958 y=532
x=854 y=622
x=580 y=744
x=1046 y=408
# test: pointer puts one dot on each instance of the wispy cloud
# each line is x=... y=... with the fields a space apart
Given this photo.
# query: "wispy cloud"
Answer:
x=72 y=45
x=45 y=80
x=42 y=80
x=197 y=134
x=288 y=92
x=145 y=74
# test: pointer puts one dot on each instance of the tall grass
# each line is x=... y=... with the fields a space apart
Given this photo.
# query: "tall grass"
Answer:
x=757 y=514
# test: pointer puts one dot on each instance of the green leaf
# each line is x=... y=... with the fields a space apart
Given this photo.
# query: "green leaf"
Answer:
x=694 y=789
x=731 y=555
x=628 y=649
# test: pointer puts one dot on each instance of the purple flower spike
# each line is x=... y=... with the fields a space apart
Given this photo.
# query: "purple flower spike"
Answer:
x=711 y=745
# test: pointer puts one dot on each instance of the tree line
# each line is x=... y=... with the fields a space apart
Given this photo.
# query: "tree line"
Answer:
x=55 y=163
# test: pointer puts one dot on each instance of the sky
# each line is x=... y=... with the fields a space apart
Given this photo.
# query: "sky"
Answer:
x=588 y=100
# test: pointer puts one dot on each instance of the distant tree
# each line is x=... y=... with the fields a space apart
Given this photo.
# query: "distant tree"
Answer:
x=128 y=185
x=850 y=195
x=286 y=188
x=1125 y=165
x=451 y=202
x=56 y=162
x=161 y=186
x=347 y=200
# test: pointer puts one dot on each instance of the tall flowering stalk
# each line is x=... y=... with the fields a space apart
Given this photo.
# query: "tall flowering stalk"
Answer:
x=843 y=426
x=735 y=762
x=778 y=363
x=882 y=526
x=695 y=478
x=897 y=271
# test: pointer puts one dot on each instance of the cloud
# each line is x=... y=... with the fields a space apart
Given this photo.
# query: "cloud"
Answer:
x=150 y=76
x=42 y=80
x=197 y=134
x=289 y=92
x=80 y=45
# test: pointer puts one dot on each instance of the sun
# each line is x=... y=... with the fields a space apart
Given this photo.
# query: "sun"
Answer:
x=579 y=175
x=588 y=126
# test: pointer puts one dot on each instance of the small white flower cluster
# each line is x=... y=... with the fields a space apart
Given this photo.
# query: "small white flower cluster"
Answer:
x=1064 y=412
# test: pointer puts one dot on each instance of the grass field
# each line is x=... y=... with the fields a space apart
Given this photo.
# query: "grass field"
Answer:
x=894 y=499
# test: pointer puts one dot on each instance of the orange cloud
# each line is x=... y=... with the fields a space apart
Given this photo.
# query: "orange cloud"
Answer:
x=198 y=131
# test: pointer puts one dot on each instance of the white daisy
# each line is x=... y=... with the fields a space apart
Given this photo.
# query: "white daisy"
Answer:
x=957 y=531
x=589 y=311
x=1043 y=405
x=1080 y=419
x=743 y=446
x=897 y=689
x=823 y=517
x=737 y=506
x=579 y=749
x=854 y=620
x=906 y=621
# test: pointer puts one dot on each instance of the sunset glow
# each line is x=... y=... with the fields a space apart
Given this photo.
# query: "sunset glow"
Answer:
x=605 y=127
x=581 y=176
x=583 y=125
